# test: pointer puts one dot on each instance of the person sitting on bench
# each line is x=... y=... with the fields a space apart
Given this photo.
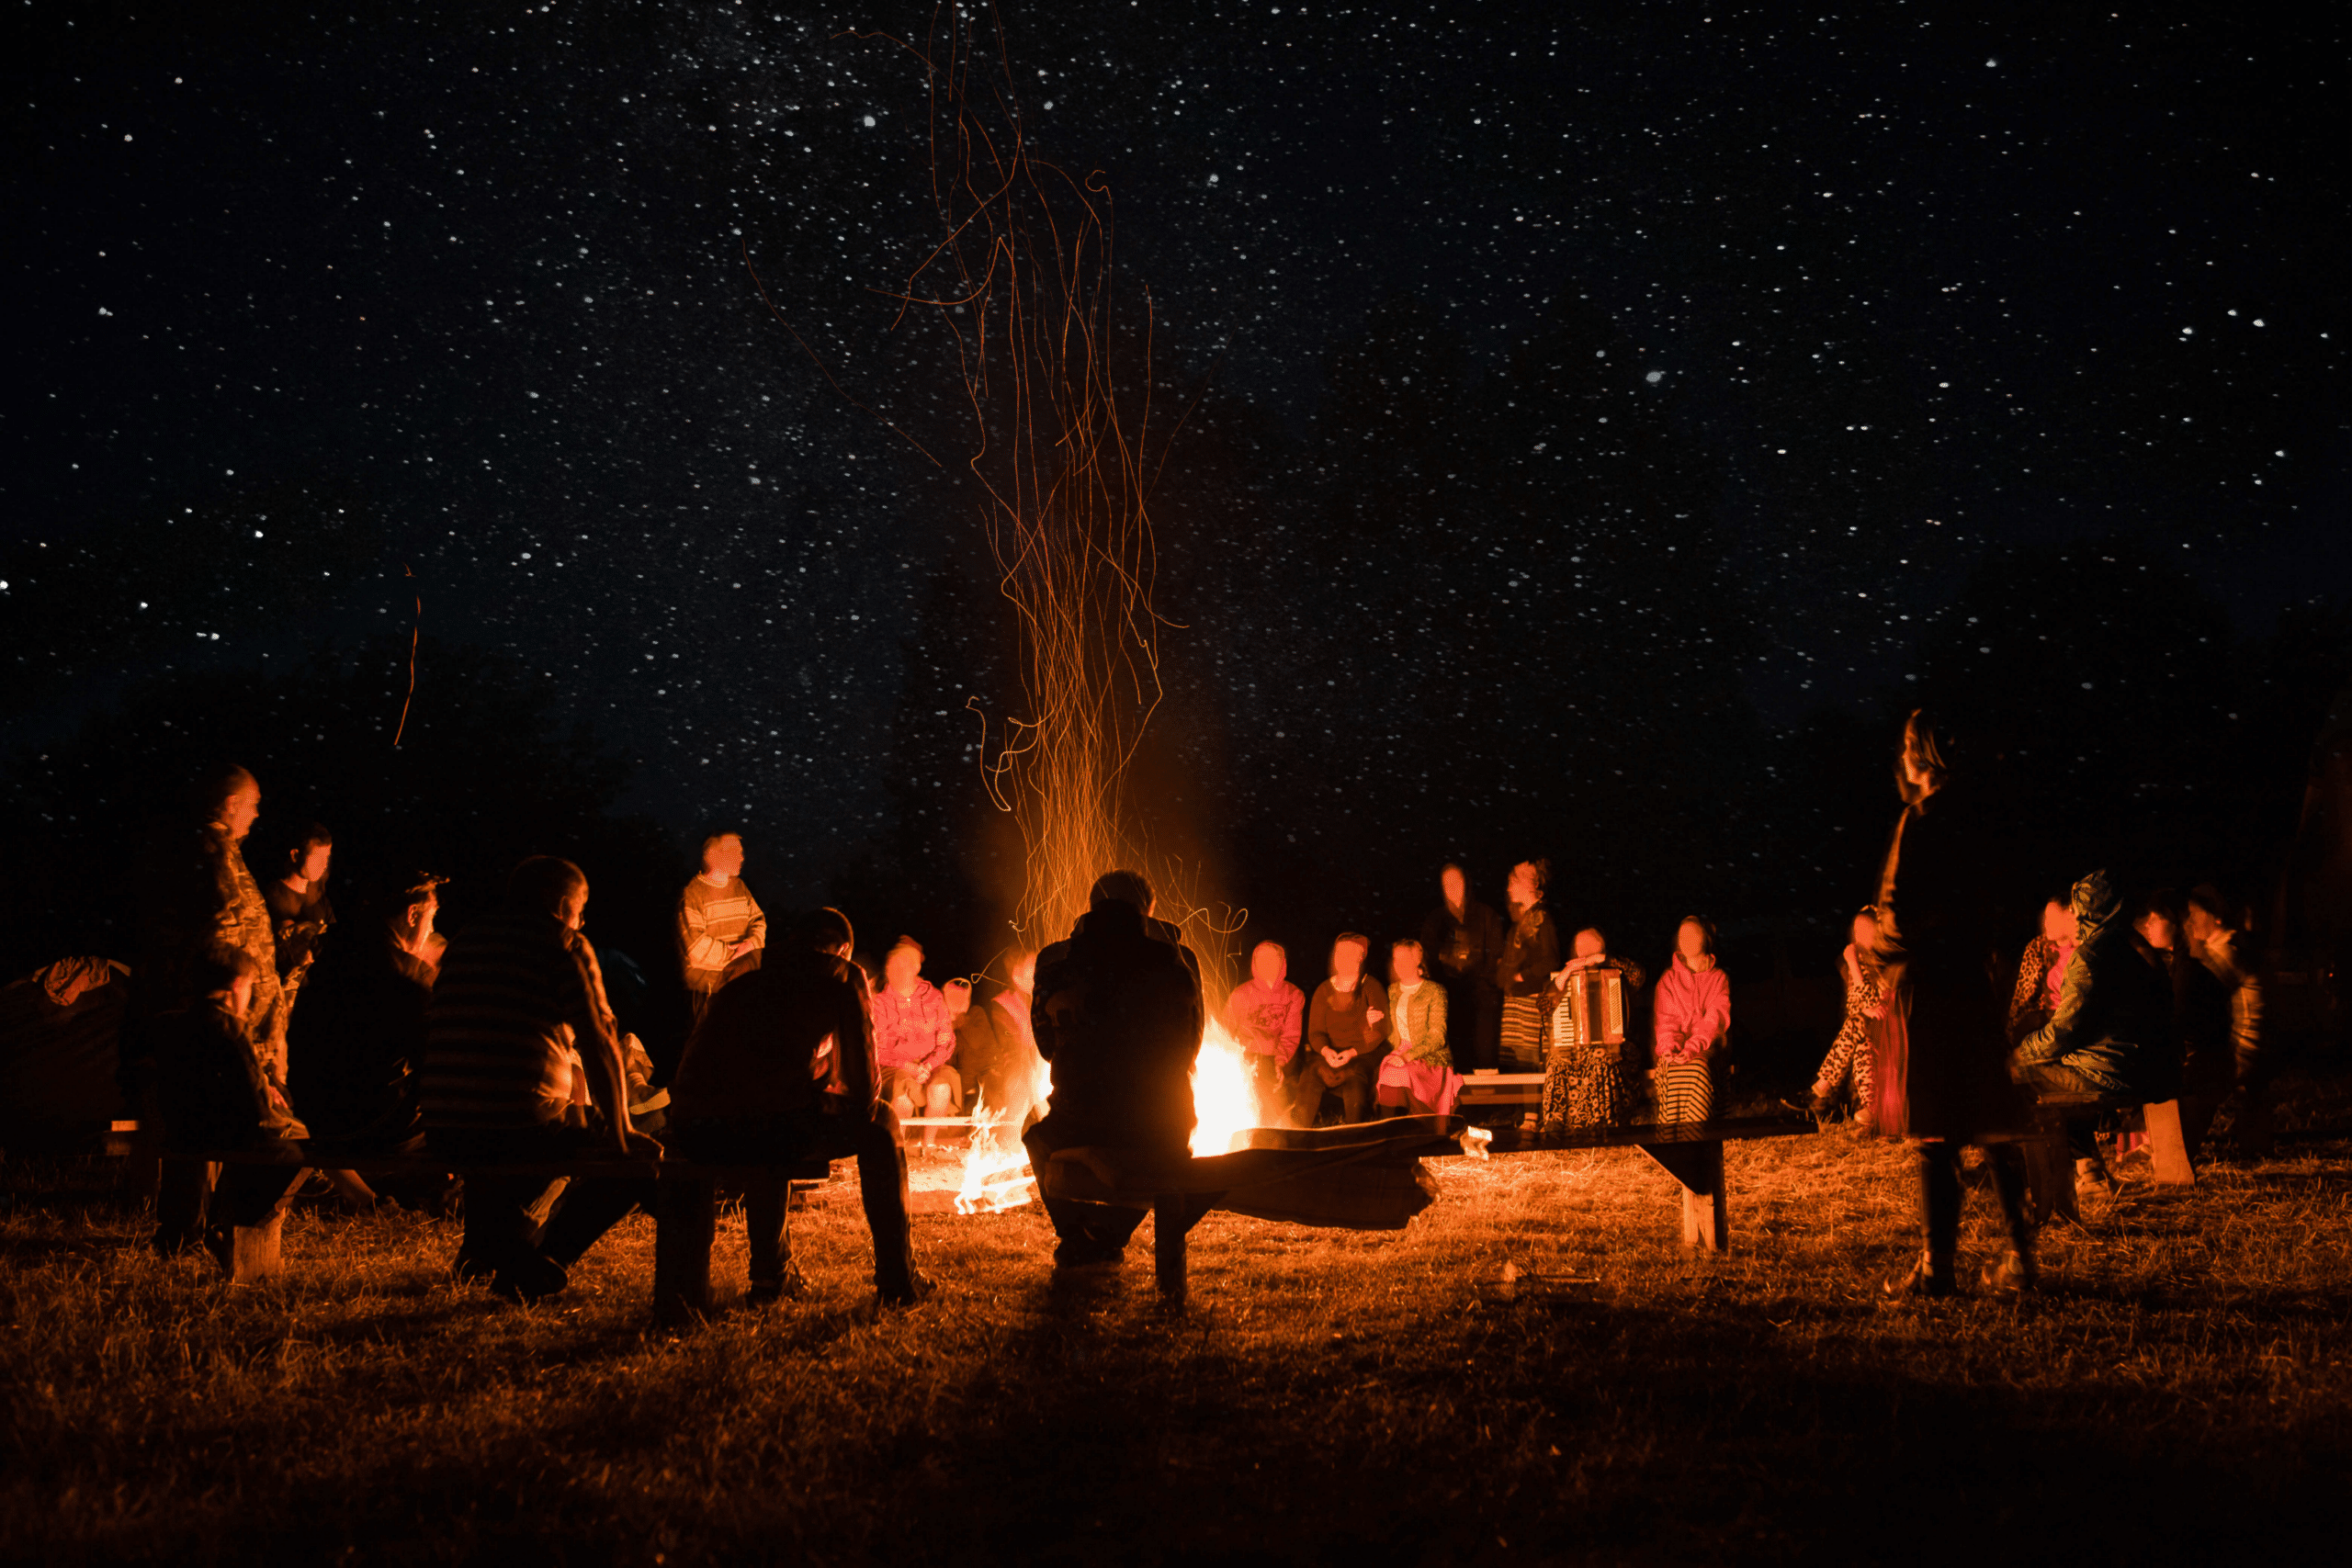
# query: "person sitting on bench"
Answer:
x=1118 y=1012
x=1346 y=1035
x=1417 y=1079
x=1693 y=1022
x=1267 y=1016
x=782 y=1070
x=2113 y=1032
x=915 y=1038
x=214 y=1098
x=518 y=994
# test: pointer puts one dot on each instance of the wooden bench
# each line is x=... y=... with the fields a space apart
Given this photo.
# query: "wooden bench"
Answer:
x=2049 y=1165
x=1690 y=1152
x=1489 y=1090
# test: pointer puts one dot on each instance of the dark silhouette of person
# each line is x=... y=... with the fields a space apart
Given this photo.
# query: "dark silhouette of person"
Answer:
x=1118 y=1011
x=781 y=1069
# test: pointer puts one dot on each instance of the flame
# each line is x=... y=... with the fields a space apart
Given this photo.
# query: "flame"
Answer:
x=996 y=1171
x=1224 y=1104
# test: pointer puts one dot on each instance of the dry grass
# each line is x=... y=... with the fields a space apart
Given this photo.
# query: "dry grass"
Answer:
x=1339 y=1398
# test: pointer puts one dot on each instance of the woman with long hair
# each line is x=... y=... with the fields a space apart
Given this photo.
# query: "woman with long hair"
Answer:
x=1853 y=1054
x=1944 y=1079
x=1531 y=953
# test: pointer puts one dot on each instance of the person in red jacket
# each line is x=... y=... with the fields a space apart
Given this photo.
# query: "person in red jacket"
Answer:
x=1267 y=1015
x=1693 y=1012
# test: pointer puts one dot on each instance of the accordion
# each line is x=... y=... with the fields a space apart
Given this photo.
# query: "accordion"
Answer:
x=1592 y=1009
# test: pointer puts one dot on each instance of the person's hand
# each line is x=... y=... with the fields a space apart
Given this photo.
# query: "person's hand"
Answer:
x=1345 y=1057
x=922 y=1074
x=1372 y=1015
x=741 y=948
x=1331 y=1056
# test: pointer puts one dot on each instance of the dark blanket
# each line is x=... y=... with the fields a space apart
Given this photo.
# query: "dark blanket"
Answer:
x=1365 y=1176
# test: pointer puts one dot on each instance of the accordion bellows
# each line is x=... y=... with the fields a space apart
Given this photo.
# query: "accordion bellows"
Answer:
x=1592 y=1010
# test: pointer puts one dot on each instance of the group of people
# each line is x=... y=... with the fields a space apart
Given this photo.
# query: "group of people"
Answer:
x=1472 y=992
x=501 y=1047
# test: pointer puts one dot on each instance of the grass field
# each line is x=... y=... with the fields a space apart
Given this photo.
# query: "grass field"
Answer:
x=2180 y=1389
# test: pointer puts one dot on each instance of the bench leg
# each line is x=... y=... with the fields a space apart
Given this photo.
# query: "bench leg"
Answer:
x=686 y=1220
x=1707 y=1211
x=2167 y=1150
x=1168 y=1229
x=253 y=1254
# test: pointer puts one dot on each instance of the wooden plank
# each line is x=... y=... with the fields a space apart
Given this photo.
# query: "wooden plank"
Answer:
x=2167 y=1150
x=253 y=1254
x=1167 y=1247
x=1699 y=1166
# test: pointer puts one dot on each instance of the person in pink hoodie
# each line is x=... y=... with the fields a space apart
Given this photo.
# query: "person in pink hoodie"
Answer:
x=1267 y=1015
x=1693 y=1006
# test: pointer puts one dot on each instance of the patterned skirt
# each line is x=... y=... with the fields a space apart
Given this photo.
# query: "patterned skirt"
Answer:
x=1522 y=1041
x=1584 y=1085
x=1686 y=1091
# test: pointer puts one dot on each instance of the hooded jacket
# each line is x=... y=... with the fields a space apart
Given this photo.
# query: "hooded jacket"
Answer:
x=2114 y=1016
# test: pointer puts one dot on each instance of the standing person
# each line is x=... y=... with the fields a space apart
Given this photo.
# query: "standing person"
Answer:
x=1267 y=1015
x=299 y=912
x=1418 y=1076
x=782 y=1070
x=200 y=895
x=1940 y=1076
x=718 y=920
x=1463 y=940
x=1853 y=1054
x=1693 y=1024
x=1118 y=1013
x=215 y=1099
x=1347 y=1029
x=1585 y=1078
x=915 y=1035
x=2215 y=941
x=2041 y=968
x=518 y=1019
x=1529 y=955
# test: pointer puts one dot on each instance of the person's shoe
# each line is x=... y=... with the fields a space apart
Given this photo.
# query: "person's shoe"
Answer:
x=1088 y=1255
x=2012 y=1274
x=468 y=1269
x=793 y=1286
x=916 y=1287
x=1928 y=1277
x=2092 y=1184
x=222 y=1242
x=532 y=1278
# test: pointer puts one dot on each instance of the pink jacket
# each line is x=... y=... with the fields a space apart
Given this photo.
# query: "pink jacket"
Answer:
x=1267 y=1021
x=914 y=1030
x=1693 y=1010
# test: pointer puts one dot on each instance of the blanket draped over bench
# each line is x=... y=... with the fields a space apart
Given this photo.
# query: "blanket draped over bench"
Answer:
x=1366 y=1176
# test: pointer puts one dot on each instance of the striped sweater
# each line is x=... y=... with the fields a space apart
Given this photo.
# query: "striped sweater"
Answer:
x=711 y=921
x=513 y=995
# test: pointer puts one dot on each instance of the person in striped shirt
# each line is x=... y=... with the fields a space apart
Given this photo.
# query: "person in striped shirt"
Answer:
x=521 y=1065
x=718 y=920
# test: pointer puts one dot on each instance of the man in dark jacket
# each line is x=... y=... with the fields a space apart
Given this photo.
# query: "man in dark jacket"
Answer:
x=1463 y=940
x=2113 y=1032
x=781 y=1069
x=1118 y=1012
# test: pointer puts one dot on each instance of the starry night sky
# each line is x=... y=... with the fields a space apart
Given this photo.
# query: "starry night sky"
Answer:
x=463 y=291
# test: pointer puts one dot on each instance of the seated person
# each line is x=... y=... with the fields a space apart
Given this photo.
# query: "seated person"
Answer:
x=1267 y=1015
x=1417 y=1079
x=1853 y=1052
x=1346 y=1031
x=997 y=1051
x=1691 y=1025
x=358 y=1038
x=2041 y=969
x=215 y=1097
x=2113 y=1029
x=518 y=995
x=915 y=1039
x=1118 y=1013
x=782 y=1069
x=1584 y=1083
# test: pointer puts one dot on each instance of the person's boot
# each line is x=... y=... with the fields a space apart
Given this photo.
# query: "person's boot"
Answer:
x=2012 y=1274
x=532 y=1276
x=792 y=1284
x=1932 y=1276
x=906 y=1292
x=2092 y=1184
